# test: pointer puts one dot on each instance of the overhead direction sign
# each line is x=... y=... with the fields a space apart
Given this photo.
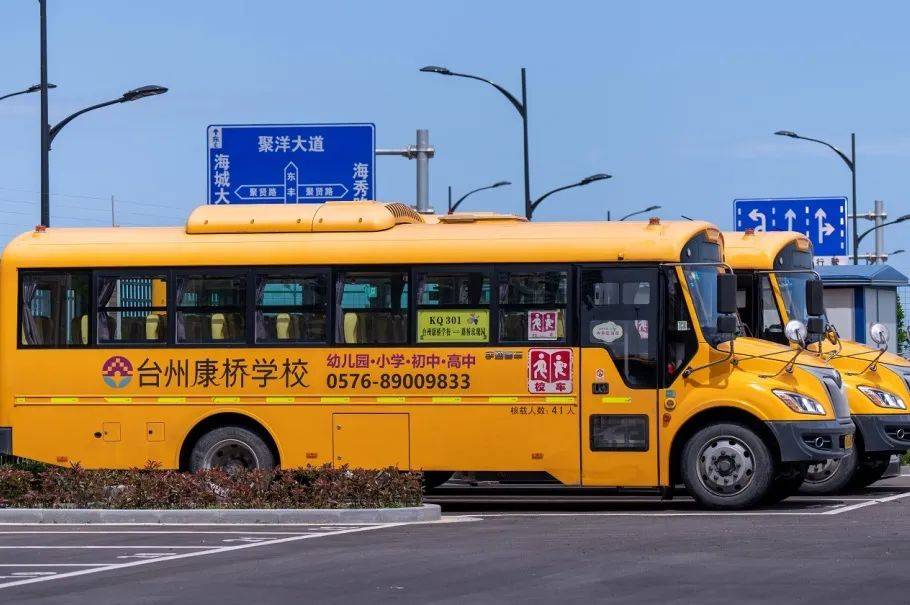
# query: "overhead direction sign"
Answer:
x=822 y=219
x=290 y=163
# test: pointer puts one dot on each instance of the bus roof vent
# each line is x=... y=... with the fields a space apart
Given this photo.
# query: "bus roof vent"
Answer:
x=473 y=217
x=404 y=213
x=300 y=218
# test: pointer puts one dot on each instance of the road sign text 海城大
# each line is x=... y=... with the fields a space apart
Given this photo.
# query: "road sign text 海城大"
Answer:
x=290 y=163
x=823 y=220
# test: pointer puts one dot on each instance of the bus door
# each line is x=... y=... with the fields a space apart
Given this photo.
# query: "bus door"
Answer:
x=618 y=324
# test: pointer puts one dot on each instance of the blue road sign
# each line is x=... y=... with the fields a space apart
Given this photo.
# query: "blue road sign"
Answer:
x=822 y=219
x=291 y=163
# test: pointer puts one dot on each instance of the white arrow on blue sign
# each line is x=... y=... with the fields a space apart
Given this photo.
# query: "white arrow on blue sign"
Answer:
x=822 y=219
x=291 y=163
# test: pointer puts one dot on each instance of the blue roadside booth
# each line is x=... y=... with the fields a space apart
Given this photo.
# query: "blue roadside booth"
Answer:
x=857 y=296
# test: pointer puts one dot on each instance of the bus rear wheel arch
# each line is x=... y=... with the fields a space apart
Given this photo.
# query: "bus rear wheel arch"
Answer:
x=228 y=441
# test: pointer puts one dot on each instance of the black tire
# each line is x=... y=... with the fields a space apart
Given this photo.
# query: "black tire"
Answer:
x=870 y=470
x=830 y=477
x=786 y=483
x=740 y=463
x=231 y=448
x=433 y=479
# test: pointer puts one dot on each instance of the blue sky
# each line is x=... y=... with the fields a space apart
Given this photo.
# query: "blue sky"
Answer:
x=677 y=100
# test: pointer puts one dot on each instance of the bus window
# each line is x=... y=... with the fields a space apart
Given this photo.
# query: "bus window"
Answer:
x=210 y=308
x=619 y=313
x=453 y=306
x=681 y=339
x=55 y=309
x=291 y=308
x=132 y=309
x=372 y=307
x=532 y=306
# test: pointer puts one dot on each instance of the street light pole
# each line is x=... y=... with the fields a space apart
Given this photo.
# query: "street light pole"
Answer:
x=851 y=164
x=453 y=207
x=520 y=106
x=585 y=181
x=45 y=122
x=642 y=211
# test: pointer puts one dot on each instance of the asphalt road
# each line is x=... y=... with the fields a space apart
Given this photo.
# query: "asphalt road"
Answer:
x=810 y=550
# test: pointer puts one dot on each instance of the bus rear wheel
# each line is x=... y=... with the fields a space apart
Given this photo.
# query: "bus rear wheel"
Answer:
x=727 y=466
x=231 y=448
x=433 y=479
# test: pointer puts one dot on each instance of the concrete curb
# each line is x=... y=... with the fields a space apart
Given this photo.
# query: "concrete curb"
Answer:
x=213 y=516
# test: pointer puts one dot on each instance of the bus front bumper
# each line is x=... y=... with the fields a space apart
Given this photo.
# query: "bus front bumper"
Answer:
x=812 y=441
x=6 y=440
x=884 y=432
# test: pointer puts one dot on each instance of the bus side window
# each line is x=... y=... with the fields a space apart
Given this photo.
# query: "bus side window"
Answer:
x=291 y=308
x=54 y=309
x=681 y=340
x=453 y=306
x=745 y=304
x=132 y=308
x=619 y=313
x=532 y=306
x=210 y=308
x=371 y=307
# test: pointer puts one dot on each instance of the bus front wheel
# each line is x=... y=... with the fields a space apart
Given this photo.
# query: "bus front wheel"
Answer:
x=727 y=466
x=231 y=448
x=831 y=476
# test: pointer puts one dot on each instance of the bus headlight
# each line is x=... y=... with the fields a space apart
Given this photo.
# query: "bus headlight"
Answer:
x=800 y=403
x=884 y=399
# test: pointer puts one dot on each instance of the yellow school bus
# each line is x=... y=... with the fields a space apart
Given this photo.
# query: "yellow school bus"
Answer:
x=365 y=334
x=773 y=271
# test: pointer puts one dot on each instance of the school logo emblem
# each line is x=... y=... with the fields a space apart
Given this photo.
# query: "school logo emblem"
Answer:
x=117 y=372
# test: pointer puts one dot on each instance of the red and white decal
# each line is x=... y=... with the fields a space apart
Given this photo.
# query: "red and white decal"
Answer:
x=542 y=325
x=550 y=371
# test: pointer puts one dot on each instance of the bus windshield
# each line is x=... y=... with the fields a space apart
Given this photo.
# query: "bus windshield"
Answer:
x=793 y=290
x=702 y=283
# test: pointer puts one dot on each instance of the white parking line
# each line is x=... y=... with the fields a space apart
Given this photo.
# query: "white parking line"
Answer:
x=197 y=553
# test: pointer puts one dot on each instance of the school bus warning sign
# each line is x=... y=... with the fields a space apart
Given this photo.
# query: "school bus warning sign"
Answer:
x=550 y=371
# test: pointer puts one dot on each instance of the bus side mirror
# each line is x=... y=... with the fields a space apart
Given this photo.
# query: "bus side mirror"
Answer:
x=726 y=295
x=815 y=298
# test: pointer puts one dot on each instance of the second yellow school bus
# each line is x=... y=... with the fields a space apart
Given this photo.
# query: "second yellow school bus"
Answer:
x=365 y=334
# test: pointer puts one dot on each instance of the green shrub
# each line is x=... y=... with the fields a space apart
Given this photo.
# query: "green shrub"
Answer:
x=151 y=487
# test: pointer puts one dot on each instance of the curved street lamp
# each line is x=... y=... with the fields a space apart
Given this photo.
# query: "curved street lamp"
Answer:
x=898 y=251
x=585 y=181
x=520 y=106
x=642 y=211
x=899 y=219
x=53 y=131
x=28 y=90
x=851 y=164
x=453 y=207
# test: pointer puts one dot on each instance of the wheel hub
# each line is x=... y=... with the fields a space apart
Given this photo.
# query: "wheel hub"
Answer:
x=231 y=455
x=726 y=466
x=822 y=471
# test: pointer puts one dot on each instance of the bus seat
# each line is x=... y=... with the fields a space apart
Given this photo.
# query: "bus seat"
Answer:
x=350 y=328
x=283 y=326
x=152 y=322
x=218 y=326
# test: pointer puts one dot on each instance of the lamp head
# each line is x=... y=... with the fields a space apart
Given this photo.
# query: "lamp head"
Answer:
x=903 y=218
x=595 y=177
x=786 y=133
x=650 y=208
x=500 y=184
x=435 y=69
x=142 y=92
x=37 y=87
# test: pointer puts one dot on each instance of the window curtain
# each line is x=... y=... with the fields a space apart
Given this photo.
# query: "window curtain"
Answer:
x=179 y=321
x=30 y=334
x=262 y=332
x=105 y=319
x=339 y=315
